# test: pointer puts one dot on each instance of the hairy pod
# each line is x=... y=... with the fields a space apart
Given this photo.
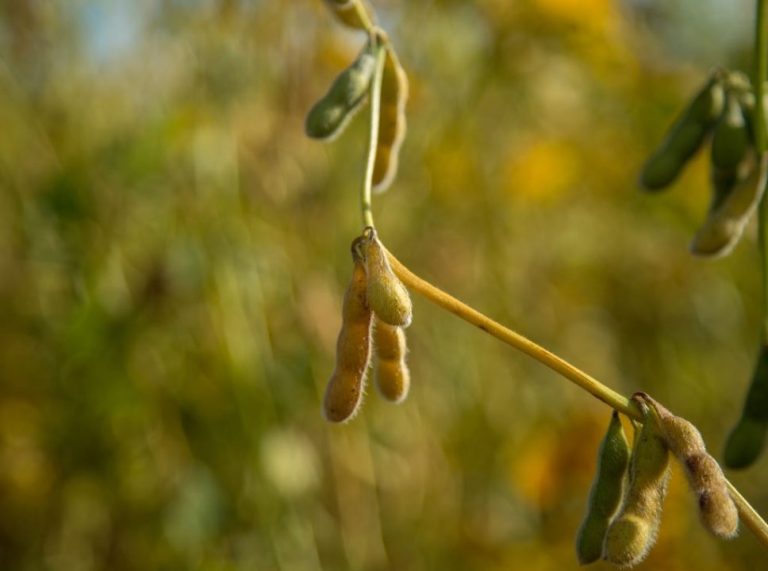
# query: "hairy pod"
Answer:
x=353 y=350
x=632 y=534
x=332 y=113
x=731 y=140
x=345 y=12
x=394 y=94
x=725 y=222
x=387 y=295
x=747 y=439
x=393 y=379
x=716 y=508
x=685 y=137
x=606 y=493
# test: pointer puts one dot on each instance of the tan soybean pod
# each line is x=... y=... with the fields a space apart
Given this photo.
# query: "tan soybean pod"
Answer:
x=353 y=351
x=345 y=12
x=393 y=379
x=632 y=534
x=394 y=94
x=387 y=295
x=606 y=493
x=725 y=222
x=716 y=508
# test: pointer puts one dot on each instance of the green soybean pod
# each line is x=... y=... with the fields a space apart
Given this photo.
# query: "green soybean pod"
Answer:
x=730 y=137
x=392 y=125
x=633 y=532
x=724 y=225
x=747 y=439
x=332 y=113
x=606 y=493
x=685 y=136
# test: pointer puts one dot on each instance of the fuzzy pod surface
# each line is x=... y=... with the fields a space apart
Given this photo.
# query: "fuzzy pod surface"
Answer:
x=633 y=532
x=606 y=492
x=387 y=295
x=391 y=373
x=344 y=392
x=717 y=511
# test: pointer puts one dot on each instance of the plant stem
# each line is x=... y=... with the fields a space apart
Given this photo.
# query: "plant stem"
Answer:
x=362 y=13
x=761 y=64
x=373 y=132
x=748 y=515
x=557 y=364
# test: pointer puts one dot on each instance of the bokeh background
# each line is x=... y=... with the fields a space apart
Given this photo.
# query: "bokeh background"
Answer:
x=174 y=251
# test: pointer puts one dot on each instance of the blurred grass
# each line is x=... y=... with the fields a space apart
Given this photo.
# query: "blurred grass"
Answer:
x=173 y=254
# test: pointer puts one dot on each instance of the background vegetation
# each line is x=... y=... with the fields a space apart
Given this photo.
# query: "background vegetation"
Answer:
x=173 y=254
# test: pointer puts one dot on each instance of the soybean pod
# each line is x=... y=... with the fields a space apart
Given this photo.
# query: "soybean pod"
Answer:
x=717 y=511
x=344 y=392
x=393 y=379
x=606 y=493
x=394 y=94
x=747 y=439
x=632 y=534
x=387 y=295
x=332 y=113
x=685 y=137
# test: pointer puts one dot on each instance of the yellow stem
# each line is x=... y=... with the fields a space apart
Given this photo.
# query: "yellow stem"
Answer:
x=363 y=15
x=619 y=402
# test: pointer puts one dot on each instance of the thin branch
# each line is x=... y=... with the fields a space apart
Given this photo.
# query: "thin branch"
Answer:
x=761 y=63
x=747 y=513
x=373 y=132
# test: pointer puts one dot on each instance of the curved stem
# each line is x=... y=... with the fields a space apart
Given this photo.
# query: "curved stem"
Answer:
x=373 y=133
x=362 y=13
x=761 y=64
x=747 y=513
x=557 y=364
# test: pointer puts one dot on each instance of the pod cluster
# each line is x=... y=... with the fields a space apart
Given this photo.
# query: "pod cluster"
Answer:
x=350 y=90
x=623 y=517
x=376 y=310
x=721 y=112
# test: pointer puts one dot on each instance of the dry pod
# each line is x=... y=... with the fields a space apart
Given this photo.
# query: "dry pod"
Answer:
x=387 y=295
x=747 y=439
x=632 y=534
x=730 y=213
x=393 y=379
x=330 y=115
x=353 y=349
x=394 y=94
x=716 y=508
x=606 y=493
x=347 y=14
x=686 y=136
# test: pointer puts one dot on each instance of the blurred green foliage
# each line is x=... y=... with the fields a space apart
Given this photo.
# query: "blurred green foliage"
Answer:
x=173 y=254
